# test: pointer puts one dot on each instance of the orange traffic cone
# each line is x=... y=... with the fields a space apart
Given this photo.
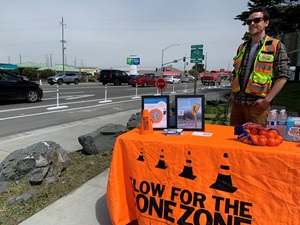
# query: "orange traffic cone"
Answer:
x=146 y=124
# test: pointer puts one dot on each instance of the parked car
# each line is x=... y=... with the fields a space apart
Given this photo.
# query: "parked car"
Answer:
x=187 y=79
x=66 y=78
x=172 y=79
x=117 y=77
x=14 y=87
x=144 y=80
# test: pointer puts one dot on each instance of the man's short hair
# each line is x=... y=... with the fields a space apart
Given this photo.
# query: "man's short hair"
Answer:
x=263 y=10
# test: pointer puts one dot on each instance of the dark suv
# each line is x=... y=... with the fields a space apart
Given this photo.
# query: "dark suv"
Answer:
x=64 y=78
x=117 y=77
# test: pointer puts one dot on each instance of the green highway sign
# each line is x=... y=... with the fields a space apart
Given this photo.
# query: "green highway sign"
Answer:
x=197 y=53
x=197 y=46
x=196 y=60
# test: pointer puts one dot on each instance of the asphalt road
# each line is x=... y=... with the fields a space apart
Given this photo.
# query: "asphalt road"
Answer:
x=68 y=103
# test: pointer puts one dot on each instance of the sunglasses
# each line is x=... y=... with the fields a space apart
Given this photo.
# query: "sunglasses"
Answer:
x=255 y=20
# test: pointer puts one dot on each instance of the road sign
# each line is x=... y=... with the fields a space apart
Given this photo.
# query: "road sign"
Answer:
x=133 y=61
x=196 y=60
x=197 y=53
x=161 y=83
x=197 y=46
x=195 y=108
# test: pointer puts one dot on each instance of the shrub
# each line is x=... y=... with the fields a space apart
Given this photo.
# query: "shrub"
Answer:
x=92 y=79
x=30 y=73
x=46 y=73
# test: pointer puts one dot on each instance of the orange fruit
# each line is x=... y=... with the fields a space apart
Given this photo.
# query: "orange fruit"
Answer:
x=277 y=142
x=254 y=139
x=271 y=142
x=262 y=132
x=279 y=137
x=262 y=140
x=271 y=134
x=253 y=130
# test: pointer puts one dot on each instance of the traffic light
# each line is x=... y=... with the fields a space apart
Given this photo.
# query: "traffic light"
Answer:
x=183 y=59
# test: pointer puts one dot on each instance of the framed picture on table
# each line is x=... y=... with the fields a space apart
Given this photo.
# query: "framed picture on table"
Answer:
x=158 y=108
x=189 y=112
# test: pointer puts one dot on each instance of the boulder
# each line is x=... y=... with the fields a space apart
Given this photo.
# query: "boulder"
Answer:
x=25 y=161
x=102 y=140
x=134 y=121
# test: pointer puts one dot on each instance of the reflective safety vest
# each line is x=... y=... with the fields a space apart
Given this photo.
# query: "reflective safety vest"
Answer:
x=260 y=78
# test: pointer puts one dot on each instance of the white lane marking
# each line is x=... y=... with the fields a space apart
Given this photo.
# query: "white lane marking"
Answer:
x=64 y=110
x=76 y=97
x=68 y=103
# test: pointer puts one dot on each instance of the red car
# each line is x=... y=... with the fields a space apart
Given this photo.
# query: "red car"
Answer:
x=144 y=80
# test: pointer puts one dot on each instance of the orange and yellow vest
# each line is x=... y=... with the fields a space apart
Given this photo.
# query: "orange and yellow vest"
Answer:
x=260 y=78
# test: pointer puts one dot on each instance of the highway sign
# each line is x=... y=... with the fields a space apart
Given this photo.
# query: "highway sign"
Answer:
x=196 y=60
x=197 y=46
x=161 y=83
x=197 y=53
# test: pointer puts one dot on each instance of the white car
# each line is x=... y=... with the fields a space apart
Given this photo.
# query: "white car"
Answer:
x=172 y=79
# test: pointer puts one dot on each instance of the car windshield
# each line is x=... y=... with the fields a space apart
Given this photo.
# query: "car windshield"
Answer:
x=138 y=76
x=59 y=75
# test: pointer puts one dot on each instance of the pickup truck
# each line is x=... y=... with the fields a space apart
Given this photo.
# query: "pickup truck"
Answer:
x=211 y=78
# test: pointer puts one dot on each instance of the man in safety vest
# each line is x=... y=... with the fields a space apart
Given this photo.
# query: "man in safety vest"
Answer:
x=260 y=72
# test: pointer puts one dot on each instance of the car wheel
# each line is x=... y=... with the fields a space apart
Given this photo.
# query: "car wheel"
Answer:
x=60 y=82
x=68 y=83
x=32 y=96
x=76 y=82
x=104 y=83
x=51 y=83
x=145 y=84
x=116 y=82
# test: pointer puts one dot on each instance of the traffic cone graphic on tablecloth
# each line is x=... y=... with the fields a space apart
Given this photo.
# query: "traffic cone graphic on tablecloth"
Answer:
x=224 y=182
x=188 y=170
x=146 y=124
x=161 y=163
x=141 y=156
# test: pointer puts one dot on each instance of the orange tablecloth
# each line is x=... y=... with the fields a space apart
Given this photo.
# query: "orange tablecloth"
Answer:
x=218 y=180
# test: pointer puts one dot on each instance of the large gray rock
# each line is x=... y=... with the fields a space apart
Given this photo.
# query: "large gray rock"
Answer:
x=134 y=121
x=102 y=140
x=24 y=161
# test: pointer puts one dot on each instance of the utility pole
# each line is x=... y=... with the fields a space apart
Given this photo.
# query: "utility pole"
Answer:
x=205 y=61
x=63 y=43
x=51 y=60
x=184 y=64
x=47 y=60
x=20 y=58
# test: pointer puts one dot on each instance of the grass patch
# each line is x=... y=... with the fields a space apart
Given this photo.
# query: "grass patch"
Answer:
x=289 y=97
x=83 y=168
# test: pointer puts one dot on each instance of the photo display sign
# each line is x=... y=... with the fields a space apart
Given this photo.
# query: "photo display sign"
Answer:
x=189 y=112
x=158 y=108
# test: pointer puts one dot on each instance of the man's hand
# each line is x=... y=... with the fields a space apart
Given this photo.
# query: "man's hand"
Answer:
x=263 y=103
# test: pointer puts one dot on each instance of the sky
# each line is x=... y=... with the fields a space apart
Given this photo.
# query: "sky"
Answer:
x=103 y=34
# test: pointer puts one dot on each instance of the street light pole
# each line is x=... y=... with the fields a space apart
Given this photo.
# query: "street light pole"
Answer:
x=162 y=56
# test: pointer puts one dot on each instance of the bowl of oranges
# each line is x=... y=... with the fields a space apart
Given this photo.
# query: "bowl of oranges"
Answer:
x=255 y=134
